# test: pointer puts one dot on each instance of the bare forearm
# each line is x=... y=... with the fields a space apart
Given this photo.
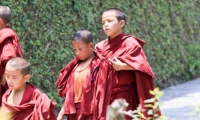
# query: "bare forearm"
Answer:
x=61 y=114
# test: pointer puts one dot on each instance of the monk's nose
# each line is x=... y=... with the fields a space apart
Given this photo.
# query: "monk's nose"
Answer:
x=106 y=24
x=8 y=80
x=77 y=53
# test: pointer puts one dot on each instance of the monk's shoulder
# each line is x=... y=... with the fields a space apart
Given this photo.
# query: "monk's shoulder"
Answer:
x=130 y=40
x=136 y=41
x=7 y=31
x=133 y=41
x=100 y=44
x=34 y=91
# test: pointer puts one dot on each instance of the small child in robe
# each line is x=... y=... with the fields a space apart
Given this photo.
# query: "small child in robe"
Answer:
x=135 y=78
x=23 y=100
x=9 y=45
x=85 y=82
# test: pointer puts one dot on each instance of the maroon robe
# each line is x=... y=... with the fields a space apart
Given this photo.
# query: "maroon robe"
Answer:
x=97 y=89
x=132 y=85
x=34 y=105
x=9 y=48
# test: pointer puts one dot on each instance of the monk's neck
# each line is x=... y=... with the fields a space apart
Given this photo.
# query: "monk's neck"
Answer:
x=85 y=63
x=16 y=96
x=89 y=59
x=21 y=90
x=113 y=37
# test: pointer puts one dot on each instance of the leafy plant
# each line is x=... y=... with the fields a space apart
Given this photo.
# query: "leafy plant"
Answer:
x=117 y=109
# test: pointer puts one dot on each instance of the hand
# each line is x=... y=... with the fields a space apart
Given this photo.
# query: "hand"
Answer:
x=116 y=63
x=60 y=117
x=61 y=114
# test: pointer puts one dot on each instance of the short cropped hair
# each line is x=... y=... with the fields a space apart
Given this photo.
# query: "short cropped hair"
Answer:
x=120 y=15
x=20 y=63
x=5 y=14
x=84 y=35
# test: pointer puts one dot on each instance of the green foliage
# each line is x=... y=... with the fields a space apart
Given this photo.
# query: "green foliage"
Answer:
x=169 y=27
x=153 y=108
x=117 y=110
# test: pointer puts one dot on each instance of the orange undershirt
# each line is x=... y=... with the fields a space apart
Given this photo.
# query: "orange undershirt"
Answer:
x=79 y=82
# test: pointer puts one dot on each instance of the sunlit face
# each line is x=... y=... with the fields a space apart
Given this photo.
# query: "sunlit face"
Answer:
x=15 y=79
x=111 y=26
x=82 y=50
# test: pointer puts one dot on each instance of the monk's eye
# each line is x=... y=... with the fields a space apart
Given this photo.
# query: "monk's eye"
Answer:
x=109 y=20
x=7 y=76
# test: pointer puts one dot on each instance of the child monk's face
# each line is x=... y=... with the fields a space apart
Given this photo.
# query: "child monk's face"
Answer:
x=82 y=50
x=111 y=26
x=15 y=79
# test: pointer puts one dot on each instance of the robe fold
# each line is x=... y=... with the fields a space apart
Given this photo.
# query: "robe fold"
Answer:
x=132 y=85
x=9 y=48
x=97 y=88
x=34 y=105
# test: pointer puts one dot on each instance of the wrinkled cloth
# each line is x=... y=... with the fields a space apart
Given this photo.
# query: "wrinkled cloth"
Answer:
x=9 y=47
x=97 y=90
x=132 y=85
x=34 y=105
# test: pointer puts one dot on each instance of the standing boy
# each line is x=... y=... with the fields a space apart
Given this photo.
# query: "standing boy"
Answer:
x=23 y=100
x=85 y=82
x=9 y=45
x=125 y=52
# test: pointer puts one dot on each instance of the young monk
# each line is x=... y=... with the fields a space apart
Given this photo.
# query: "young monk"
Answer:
x=85 y=82
x=126 y=54
x=9 y=45
x=23 y=100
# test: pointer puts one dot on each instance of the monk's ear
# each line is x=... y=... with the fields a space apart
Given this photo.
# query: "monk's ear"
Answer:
x=27 y=77
x=122 y=23
x=91 y=45
x=2 y=22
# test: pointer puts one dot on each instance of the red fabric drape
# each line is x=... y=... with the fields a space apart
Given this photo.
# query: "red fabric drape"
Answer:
x=9 y=47
x=34 y=105
x=132 y=85
x=97 y=90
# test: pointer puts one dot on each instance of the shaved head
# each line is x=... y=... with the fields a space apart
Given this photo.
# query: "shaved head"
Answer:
x=83 y=35
x=19 y=63
x=5 y=14
x=120 y=15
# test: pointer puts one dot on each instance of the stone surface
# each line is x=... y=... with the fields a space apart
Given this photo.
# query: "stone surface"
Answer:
x=179 y=101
